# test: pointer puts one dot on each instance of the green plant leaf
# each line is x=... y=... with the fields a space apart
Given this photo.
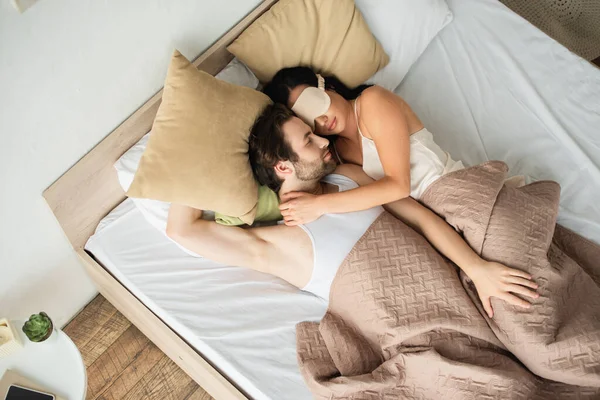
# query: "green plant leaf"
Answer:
x=37 y=327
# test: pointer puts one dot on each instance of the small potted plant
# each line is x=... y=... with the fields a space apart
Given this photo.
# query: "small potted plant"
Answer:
x=39 y=327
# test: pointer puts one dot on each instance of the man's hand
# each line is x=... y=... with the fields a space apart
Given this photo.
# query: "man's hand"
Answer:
x=496 y=280
x=299 y=208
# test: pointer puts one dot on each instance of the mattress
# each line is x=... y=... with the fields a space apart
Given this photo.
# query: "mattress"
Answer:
x=492 y=86
x=241 y=320
x=489 y=86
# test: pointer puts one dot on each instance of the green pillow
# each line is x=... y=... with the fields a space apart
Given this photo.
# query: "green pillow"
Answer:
x=267 y=209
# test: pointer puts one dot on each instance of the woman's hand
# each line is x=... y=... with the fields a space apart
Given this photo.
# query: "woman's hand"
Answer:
x=496 y=280
x=299 y=208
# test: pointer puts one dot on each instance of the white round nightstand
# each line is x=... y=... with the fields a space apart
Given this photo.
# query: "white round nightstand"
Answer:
x=55 y=364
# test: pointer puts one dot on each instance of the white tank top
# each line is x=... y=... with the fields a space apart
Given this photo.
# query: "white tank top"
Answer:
x=428 y=161
x=333 y=236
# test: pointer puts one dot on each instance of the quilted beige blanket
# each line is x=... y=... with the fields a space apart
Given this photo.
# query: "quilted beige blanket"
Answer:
x=403 y=323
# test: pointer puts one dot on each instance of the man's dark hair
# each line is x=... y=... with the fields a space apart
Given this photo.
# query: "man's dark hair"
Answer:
x=267 y=145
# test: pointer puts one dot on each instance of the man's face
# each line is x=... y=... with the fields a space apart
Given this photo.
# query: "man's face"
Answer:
x=314 y=159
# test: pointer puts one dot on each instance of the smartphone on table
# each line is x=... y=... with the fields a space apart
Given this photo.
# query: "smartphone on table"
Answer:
x=16 y=392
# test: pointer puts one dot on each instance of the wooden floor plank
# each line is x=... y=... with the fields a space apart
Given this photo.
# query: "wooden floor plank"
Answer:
x=133 y=374
x=89 y=321
x=104 y=338
x=122 y=363
x=165 y=381
x=115 y=360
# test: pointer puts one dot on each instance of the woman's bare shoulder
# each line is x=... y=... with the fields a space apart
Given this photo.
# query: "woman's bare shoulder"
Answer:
x=377 y=102
x=381 y=109
x=376 y=94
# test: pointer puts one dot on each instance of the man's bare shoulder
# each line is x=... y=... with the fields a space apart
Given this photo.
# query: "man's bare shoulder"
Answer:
x=353 y=172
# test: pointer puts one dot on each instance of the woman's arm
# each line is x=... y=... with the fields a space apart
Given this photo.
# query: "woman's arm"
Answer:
x=491 y=279
x=301 y=208
x=384 y=121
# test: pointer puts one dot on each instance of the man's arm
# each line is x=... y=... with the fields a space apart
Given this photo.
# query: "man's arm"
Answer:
x=277 y=250
x=224 y=244
x=490 y=278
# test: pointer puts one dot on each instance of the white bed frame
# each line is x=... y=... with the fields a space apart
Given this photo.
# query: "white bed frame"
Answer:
x=90 y=190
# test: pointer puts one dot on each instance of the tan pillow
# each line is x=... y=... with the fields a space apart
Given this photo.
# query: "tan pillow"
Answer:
x=197 y=154
x=331 y=36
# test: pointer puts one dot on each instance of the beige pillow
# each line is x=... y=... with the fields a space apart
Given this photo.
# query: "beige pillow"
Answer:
x=331 y=36
x=197 y=154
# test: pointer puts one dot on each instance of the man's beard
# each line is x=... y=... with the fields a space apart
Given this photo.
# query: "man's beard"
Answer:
x=314 y=170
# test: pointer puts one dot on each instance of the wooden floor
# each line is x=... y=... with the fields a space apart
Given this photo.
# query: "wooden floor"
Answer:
x=122 y=363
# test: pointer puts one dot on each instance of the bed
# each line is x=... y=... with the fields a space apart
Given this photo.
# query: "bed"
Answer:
x=192 y=294
x=490 y=86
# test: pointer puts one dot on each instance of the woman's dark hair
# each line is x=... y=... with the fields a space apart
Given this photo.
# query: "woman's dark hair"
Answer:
x=267 y=145
x=288 y=78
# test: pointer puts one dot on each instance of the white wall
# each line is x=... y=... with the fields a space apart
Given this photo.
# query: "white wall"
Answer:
x=70 y=72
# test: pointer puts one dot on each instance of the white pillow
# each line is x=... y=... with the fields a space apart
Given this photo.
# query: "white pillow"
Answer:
x=238 y=73
x=404 y=28
x=154 y=211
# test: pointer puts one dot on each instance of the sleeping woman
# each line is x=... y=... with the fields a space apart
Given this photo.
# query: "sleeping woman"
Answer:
x=374 y=128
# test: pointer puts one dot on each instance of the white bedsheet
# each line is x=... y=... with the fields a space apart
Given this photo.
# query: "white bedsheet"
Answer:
x=243 y=321
x=492 y=86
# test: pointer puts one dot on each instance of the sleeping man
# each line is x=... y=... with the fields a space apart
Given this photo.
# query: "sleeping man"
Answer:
x=287 y=156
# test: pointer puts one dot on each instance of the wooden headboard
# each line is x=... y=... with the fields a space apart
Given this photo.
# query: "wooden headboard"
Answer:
x=89 y=190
